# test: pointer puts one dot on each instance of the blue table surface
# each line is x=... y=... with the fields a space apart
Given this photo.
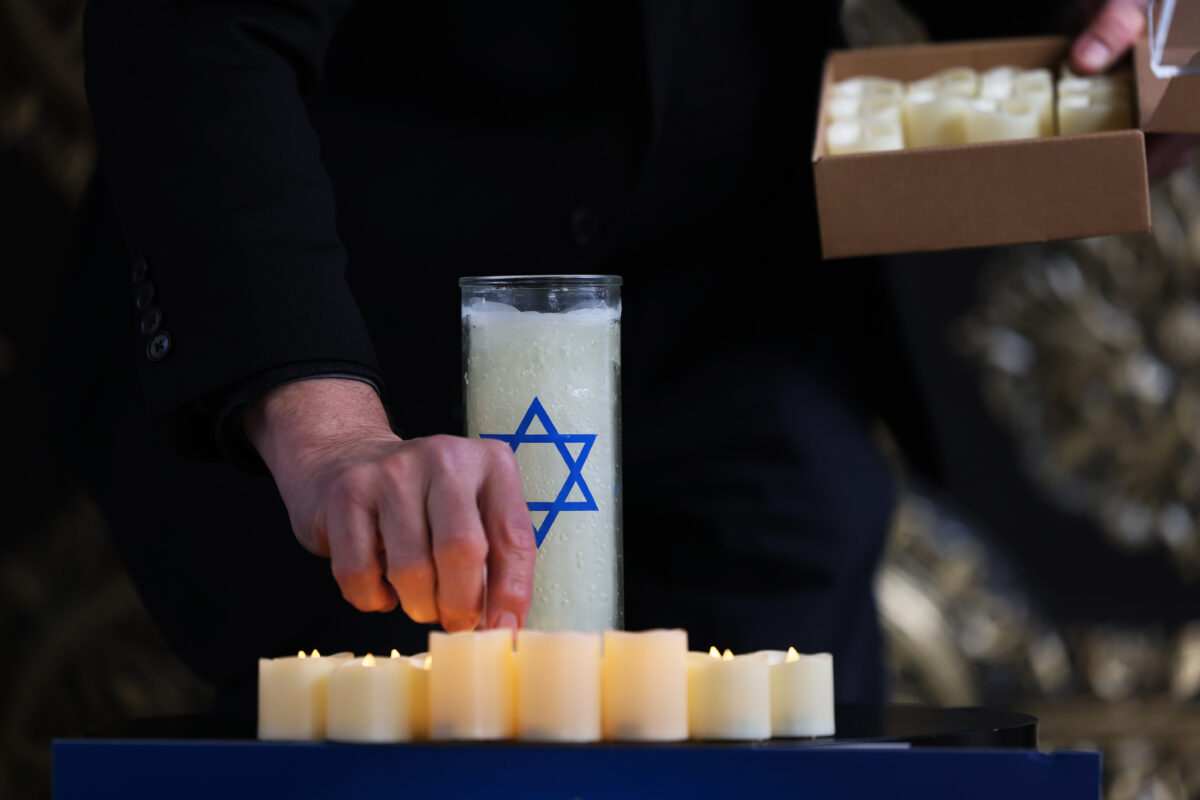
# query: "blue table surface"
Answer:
x=231 y=770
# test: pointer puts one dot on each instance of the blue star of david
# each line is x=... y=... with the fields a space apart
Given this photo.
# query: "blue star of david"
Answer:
x=574 y=465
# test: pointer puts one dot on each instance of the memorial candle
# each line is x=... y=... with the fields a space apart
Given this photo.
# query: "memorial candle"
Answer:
x=471 y=685
x=543 y=356
x=729 y=697
x=558 y=686
x=644 y=695
x=293 y=696
x=370 y=701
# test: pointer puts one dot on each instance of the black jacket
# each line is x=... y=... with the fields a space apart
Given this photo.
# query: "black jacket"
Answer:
x=291 y=188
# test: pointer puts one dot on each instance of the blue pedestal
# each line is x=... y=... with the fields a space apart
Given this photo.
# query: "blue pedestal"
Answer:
x=247 y=770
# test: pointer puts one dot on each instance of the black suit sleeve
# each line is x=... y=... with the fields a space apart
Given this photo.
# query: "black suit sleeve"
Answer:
x=215 y=173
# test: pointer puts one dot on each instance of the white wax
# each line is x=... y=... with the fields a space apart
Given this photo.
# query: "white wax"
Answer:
x=801 y=693
x=868 y=136
x=370 y=701
x=869 y=86
x=419 y=694
x=1037 y=87
x=1095 y=85
x=570 y=362
x=729 y=698
x=996 y=83
x=999 y=120
x=961 y=81
x=644 y=695
x=558 y=686
x=934 y=119
x=293 y=697
x=865 y=108
x=1091 y=113
x=471 y=685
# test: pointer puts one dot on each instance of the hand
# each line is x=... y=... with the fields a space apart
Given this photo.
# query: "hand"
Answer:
x=413 y=522
x=1109 y=35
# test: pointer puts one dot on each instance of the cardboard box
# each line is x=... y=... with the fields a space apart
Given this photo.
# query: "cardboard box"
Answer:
x=1170 y=105
x=941 y=198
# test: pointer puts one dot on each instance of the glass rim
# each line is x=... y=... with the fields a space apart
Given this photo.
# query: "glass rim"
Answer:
x=539 y=281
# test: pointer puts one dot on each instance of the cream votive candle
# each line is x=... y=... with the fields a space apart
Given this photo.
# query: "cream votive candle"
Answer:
x=370 y=700
x=865 y=108
x=558 y=686
x=419 y=694
x=997 y=83
x=869 y=86
x=1001 y=120
x=471 y=685
x=728 y=697
x=960 y=81
x=933 y=119
x=1037 y=87
x=644 y=686
x=863 y=136
x=293 y=696
x=801 y=693
x=1092 y=113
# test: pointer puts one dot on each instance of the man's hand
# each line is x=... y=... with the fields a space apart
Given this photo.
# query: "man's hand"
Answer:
x=413 y=522
x=1109 y=35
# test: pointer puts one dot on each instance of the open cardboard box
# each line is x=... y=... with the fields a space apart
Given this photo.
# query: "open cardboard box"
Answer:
x=940 y=198
x=1170 y=104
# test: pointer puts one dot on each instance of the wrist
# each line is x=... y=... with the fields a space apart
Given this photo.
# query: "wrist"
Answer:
x=312 y=414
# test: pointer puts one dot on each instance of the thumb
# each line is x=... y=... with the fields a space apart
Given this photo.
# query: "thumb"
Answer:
x=1109 y=36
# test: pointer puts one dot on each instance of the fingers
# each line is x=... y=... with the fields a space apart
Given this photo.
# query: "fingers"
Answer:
x=459 y=545
x=512 y=550
x=405 y=534
x=1114 y=30
x=354 y=546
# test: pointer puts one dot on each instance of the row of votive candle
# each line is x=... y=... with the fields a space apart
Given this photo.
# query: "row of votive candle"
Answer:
x=962 y=106
x=559 y=686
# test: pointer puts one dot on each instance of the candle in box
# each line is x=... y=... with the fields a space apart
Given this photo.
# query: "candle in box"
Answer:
x=867 y=136
x=801 y=692
x=864 y=108
x=728 y=697
x=293 y=696
x=1094 y=103
x=1001 y=120
x=558 y=686
x=370 y=700
x=1090 y=113
x=644 y=692
x=933 y=119
x=471 y=685
x=869 y=86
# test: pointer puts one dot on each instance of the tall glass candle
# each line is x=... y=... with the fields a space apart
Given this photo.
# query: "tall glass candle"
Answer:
x=542 y=359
